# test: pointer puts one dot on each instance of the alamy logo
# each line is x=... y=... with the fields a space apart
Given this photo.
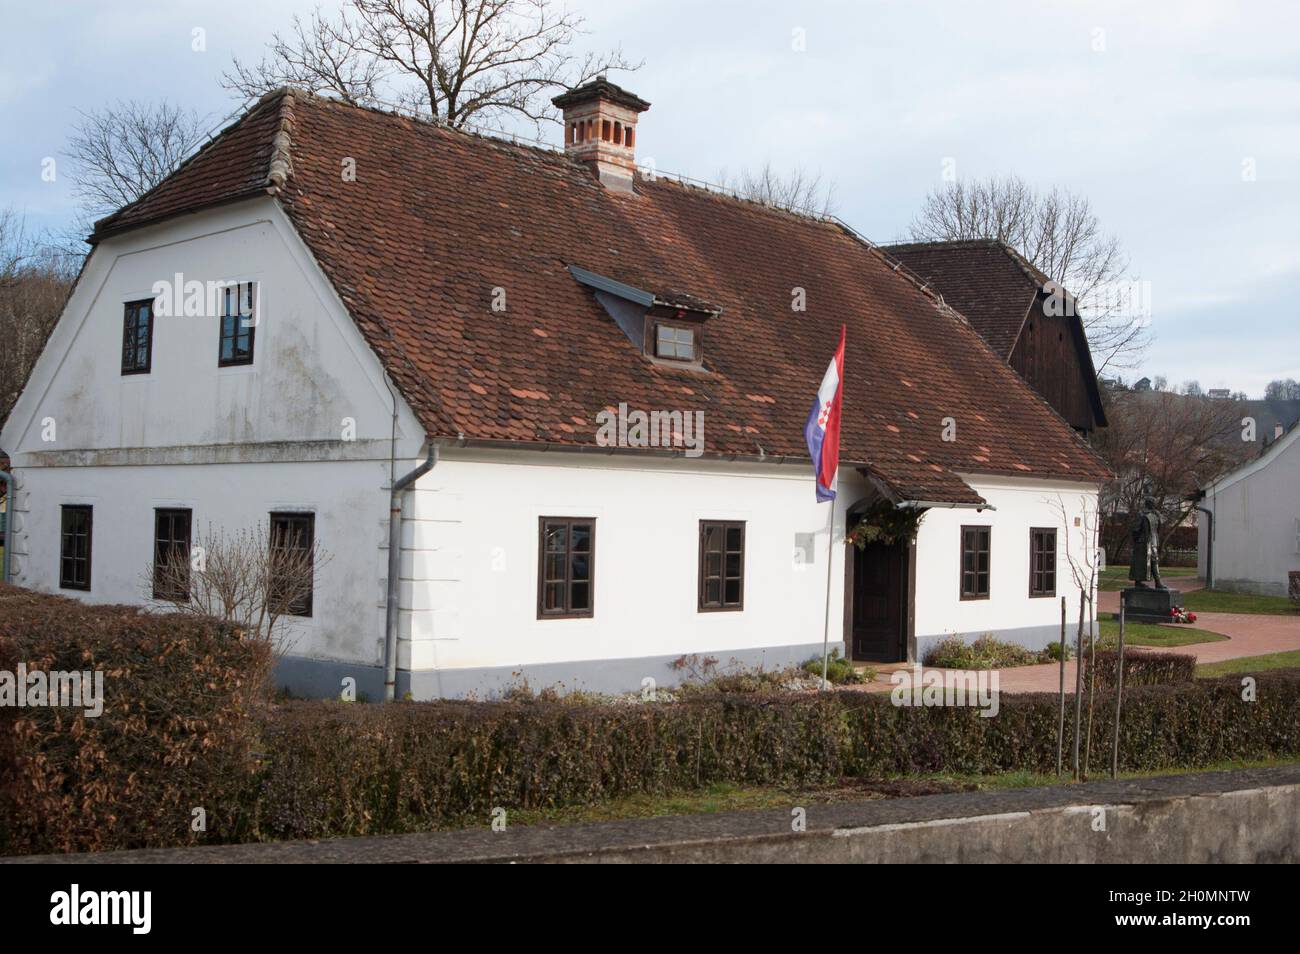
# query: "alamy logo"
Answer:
x=182 y=298
x=676 y=429
x=946 y=687
x=39 y=689
x=102 y=907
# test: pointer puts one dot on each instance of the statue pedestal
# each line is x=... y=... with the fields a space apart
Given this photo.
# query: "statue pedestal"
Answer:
x=1150 y=605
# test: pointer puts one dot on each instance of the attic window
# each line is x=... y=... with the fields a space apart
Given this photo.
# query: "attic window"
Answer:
x=674 y=342
x=664 y=326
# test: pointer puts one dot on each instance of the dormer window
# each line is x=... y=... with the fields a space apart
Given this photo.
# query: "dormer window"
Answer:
x=665 y=326
x=675 y=342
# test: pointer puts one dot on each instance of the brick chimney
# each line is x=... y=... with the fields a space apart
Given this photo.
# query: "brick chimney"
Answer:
x=600 y=130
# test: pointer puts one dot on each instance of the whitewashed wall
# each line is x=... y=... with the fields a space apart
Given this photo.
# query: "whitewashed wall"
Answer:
x=470 y=559
x=1009 y=612
x=233 y=444
x=1256 y=532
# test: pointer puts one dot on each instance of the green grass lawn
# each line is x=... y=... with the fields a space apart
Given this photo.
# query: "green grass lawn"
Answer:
x=1154 y=634
x=1250 y=664
x=726 y=797
x=1216 y=601
x=1116 y=577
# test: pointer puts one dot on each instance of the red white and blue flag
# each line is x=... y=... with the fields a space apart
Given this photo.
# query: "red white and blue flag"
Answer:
x=822 y=432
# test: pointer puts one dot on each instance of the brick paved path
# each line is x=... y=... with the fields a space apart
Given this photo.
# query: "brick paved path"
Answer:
x=1249 y=634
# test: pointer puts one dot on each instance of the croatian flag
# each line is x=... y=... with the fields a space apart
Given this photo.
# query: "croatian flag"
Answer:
x=822 y=432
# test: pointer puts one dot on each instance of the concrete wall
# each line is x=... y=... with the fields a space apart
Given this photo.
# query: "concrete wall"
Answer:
x=1009 y=613
x=1256 y=528
x=1247 y=816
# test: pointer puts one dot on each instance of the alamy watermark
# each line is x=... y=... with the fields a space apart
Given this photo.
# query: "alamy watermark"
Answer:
x=976 y=689
x=680 y=430
x=37 y=688
x=179 y=297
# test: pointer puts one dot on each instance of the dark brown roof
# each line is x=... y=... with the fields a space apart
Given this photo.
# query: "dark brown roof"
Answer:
x=984 y=279
x=438 y=218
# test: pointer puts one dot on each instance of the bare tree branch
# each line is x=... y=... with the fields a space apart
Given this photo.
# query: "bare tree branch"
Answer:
x=247 y=578
x=122 y=152
x=797 y=191
x=34 y=283
x=1059 y=233
x=455 y=60
x=1165 y=446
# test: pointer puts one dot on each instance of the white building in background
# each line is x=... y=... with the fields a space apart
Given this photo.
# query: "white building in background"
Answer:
x=1249 y=522
x=462 y=326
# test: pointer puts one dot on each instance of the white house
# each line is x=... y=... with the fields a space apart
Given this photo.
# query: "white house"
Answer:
x=1249 y=522
x=428 y=352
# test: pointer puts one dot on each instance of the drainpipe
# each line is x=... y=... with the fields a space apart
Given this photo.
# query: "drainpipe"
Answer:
x=399 y=487
x=1209 y=546
x=8 y=478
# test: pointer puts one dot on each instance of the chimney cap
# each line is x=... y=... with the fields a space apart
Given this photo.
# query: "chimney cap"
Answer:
x=600 y=88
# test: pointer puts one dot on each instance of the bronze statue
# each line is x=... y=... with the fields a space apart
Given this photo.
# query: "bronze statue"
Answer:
x=1146 y=548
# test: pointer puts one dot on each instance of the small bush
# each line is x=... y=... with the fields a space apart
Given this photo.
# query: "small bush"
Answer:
x=1052 y=652
x=182 y=711
x=952 y=652
x=1142 y=668
x=839 y=670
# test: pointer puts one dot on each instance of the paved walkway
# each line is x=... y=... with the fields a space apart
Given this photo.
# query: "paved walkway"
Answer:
x=1249 y=634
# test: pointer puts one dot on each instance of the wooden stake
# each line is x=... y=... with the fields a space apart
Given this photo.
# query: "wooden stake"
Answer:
x=1078 y=687
x=1119 y=687
x=1060 y=728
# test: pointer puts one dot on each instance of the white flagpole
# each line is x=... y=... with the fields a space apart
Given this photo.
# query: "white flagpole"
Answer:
x=826 y=628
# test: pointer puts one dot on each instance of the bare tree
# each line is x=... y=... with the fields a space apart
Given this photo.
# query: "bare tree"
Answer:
x=121 y=152
x=1165 y=446
x=1282 y=390
x=1060 y=234
x=251 y=578
x=456 y=60
x=1083 y=557
x=797 y=191
x=34 y=283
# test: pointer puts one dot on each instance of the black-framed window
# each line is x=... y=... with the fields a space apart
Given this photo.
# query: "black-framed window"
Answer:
x=975 y=558
x=675 y=342
x=293 y=536
x=137 y=337
x=74 y=547
x=722 y=565
x=1042 y=561
x=237 y=324
x=171 y=553
x=566 y=567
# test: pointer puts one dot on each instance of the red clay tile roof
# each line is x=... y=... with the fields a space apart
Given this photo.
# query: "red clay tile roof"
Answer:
x=983 y=279
x=235 y=165
x=437 y=219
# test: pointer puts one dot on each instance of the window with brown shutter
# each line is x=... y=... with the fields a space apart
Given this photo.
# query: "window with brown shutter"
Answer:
x=293 y=540
x=722 y=565
x=74 y=547
x=137 y=337
x=1042 y=561
x=975 y=560
x=566 y=555
x=171 y=554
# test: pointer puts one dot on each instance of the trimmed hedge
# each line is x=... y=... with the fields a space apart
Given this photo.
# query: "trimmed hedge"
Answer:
x=183 y=708
x=334 y=769
x=186 y=725
x=1141 y=667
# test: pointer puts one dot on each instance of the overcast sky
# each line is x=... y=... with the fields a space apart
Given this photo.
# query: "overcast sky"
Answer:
x=1152 y=110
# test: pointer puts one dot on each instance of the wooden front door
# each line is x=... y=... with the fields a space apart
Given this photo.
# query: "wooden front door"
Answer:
x=880 y=603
